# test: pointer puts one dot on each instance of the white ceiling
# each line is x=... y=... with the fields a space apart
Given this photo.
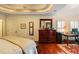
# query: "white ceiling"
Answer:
x=25 y=8
x=69 y=10
x=56 y=9
x=31 y=8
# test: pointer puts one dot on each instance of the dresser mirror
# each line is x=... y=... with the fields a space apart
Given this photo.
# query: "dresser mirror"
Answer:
x=46 y=23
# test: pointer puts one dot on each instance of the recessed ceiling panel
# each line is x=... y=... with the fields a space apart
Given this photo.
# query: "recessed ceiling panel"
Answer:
x=28 y=8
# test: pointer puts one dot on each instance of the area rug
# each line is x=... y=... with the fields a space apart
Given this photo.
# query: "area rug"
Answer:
x=70 y=49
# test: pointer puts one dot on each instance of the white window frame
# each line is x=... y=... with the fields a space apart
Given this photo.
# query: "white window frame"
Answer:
x=61 y=27
x=74 y=24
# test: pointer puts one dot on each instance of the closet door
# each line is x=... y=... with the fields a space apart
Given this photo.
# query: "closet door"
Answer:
x=0 y=28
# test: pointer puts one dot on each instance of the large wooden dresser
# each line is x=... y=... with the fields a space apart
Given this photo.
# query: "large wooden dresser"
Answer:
x=47 y=36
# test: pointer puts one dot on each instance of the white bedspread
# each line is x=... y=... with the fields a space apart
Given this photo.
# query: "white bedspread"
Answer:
x=9 y=48
x=28 y=45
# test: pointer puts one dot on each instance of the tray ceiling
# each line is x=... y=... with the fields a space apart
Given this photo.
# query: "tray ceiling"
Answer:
x=25 y=8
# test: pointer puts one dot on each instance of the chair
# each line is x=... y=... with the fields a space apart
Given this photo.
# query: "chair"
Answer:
x=59 y=37
x=75 y=31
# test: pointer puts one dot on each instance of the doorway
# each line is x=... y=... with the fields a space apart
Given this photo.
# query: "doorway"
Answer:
x=0 y=28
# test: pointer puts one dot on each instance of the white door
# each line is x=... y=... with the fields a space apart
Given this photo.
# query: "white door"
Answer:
x=0 y=28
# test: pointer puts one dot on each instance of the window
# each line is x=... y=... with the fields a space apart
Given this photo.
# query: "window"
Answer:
x=60 y=26
x=74 y=24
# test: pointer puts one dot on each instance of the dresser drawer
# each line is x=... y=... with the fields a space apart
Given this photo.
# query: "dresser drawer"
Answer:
x=47 y=36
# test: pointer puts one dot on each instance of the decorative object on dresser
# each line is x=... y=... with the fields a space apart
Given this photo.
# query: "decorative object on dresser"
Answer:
x=47 y=36
x=31 y=28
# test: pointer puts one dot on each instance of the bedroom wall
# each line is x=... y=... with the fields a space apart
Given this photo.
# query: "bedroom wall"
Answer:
x=13 y=25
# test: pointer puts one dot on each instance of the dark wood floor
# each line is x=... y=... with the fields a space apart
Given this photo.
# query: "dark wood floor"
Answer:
x=49 y=49
x=52 y=48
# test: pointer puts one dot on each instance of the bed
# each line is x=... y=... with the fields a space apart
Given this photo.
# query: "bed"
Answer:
x=17 y=45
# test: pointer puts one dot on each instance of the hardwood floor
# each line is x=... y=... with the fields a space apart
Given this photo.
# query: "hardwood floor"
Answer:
x=49 y=49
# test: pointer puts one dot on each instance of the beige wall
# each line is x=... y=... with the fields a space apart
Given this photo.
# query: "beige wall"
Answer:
x=13 y=24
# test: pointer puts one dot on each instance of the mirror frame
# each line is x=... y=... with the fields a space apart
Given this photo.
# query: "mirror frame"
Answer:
x=46 y=20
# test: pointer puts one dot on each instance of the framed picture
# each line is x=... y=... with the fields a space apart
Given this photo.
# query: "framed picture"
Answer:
x=31 y=28
x=23 y=25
